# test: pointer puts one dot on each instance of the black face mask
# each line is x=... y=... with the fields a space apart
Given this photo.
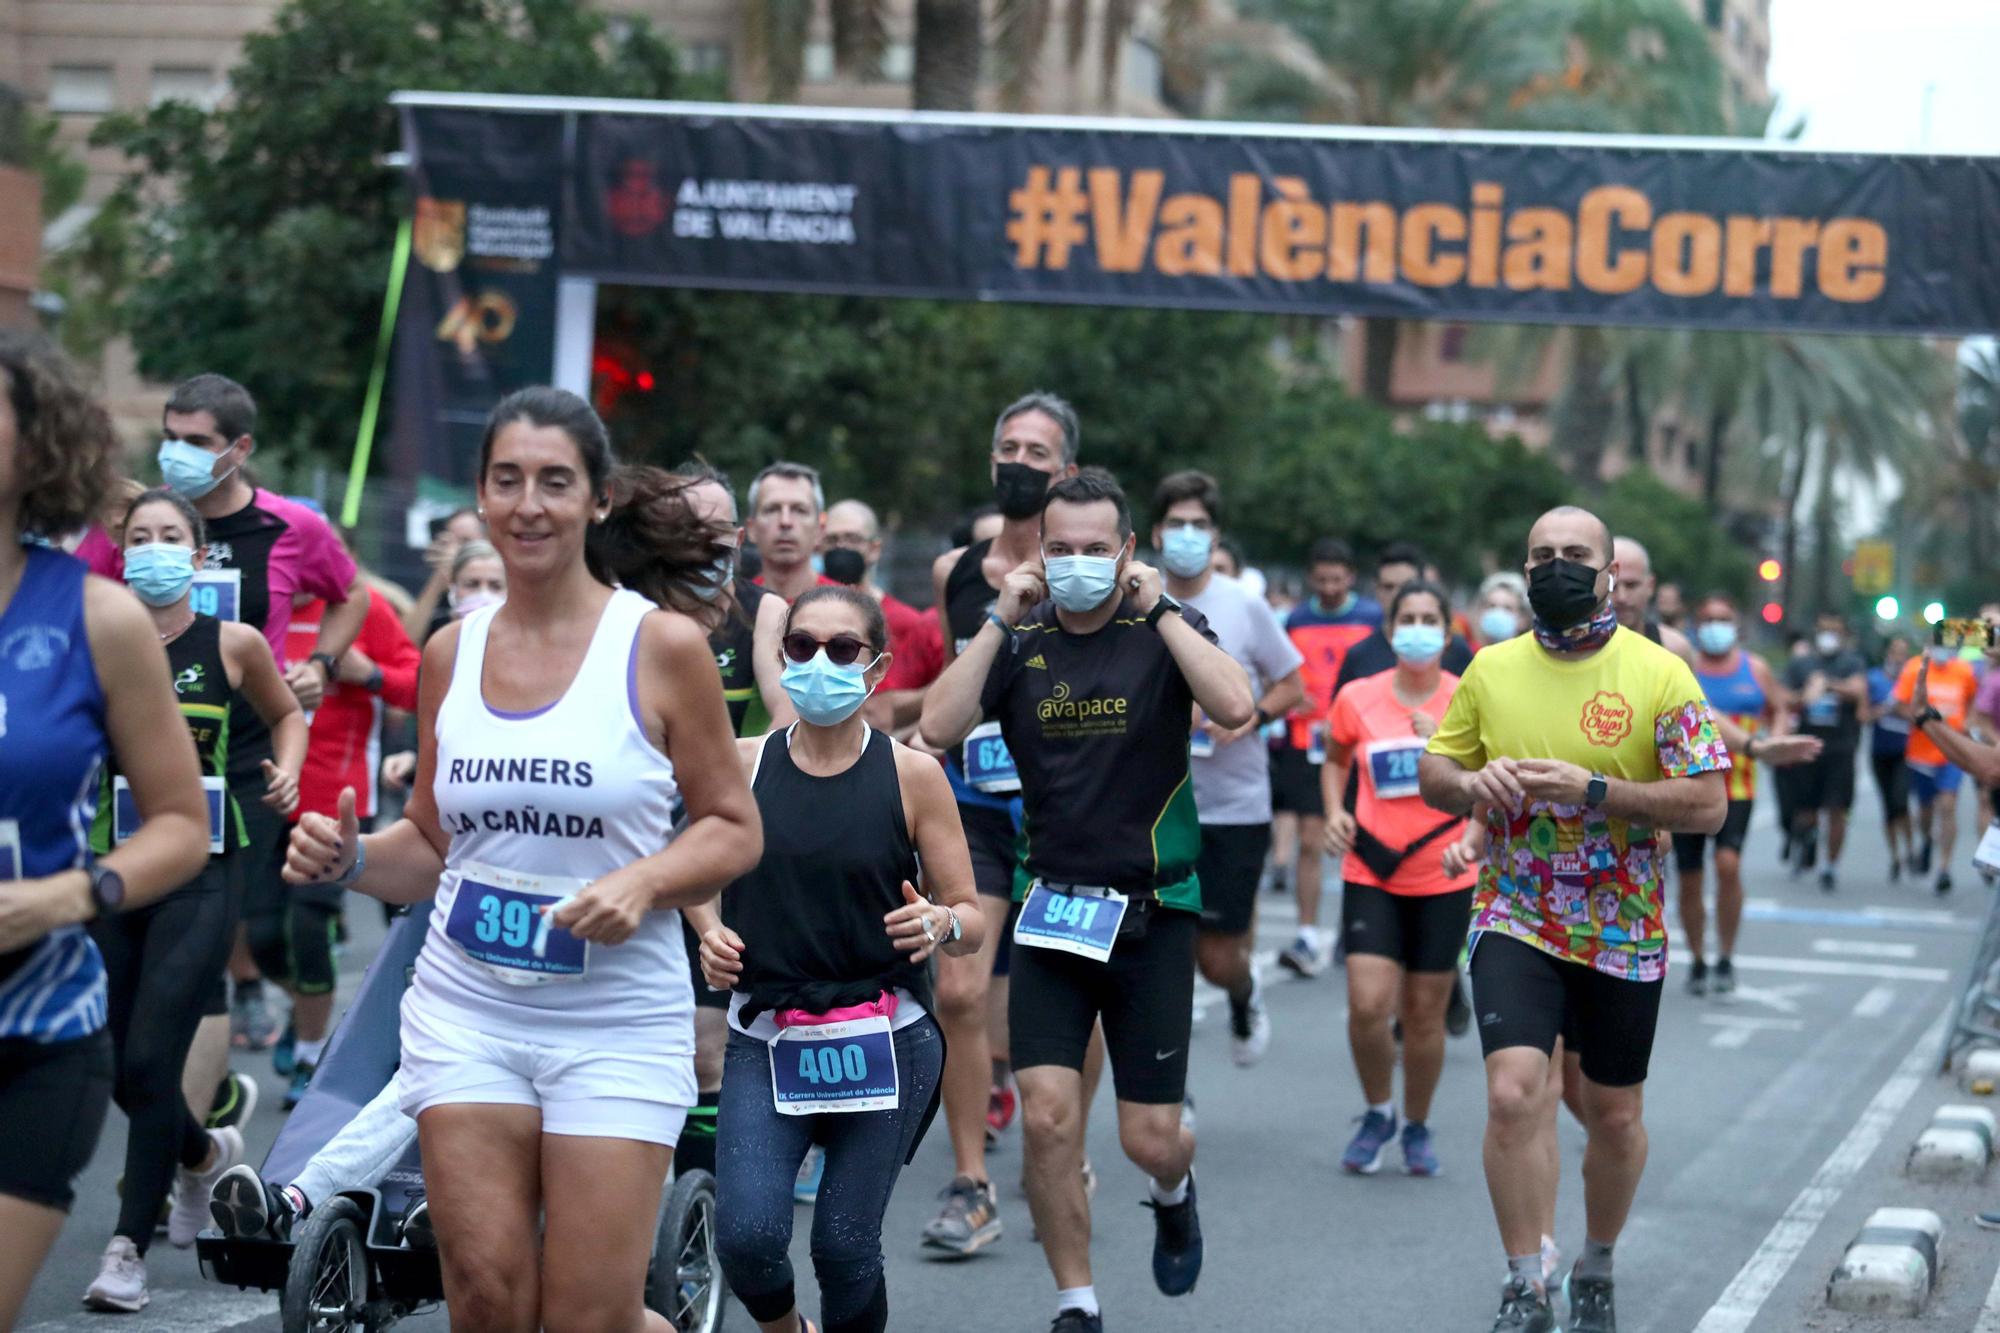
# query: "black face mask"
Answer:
x=1563 y=593
x=1018 y=490
x=844 y=566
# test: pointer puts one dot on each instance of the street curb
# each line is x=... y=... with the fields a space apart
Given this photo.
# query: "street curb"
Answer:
x=1891 y=1266
x=1979 y=1073
x=1957 y=1145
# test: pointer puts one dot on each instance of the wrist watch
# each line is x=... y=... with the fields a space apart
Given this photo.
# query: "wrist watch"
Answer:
x=327 y=663
x=1160 y=608
x=957 y=931
x=1925 y=718
x=1596 y=789
x=1263 y=718
x=107 y=889
x=374 y=682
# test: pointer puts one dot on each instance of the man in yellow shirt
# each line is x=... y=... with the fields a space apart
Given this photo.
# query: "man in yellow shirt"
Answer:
x=1583 y=744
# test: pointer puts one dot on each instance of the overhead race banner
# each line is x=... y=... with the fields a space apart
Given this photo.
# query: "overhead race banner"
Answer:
x=1449 y=228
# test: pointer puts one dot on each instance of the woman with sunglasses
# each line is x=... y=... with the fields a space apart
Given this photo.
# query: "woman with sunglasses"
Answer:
x=164 y=963
x=824 y=947
x=548 y=1034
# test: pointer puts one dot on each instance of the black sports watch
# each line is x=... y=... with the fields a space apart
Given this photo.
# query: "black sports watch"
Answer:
x=1925 y=718
x=1596 y=790
x=328 y=663
x=107 y=889
x=1160 y=608
x=1263 y=718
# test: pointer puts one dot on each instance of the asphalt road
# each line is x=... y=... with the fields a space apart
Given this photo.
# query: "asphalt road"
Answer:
x=1779 y=1120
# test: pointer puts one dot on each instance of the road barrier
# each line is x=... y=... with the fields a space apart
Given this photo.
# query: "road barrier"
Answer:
x=1957 y=1145
x=1891 y=1266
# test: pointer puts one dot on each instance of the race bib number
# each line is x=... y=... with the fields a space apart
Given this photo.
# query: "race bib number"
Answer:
x=10 y=849
x=1316 y=743
x=1392 y=767
x=218 y=593
x=1823 y=711
x=989 y=767
x=125 y=811
x=1986 y=855
x=835 y=1067
x=500 y=920
x=1080 y=921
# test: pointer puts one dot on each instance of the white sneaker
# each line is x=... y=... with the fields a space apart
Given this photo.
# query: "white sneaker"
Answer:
x=121 y=1279
x=189 y=1216
x=1249 y=1041
x=1301 y=959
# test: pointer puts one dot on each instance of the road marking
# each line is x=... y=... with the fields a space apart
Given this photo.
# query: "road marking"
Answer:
x=1877 y=1002
x=1778 y=999
x=190 y=1311
x=1738 y=1029
x=1826 y=967
x=1865 y=948
x=1868 y=916
x=1754 y=1282
x=1989 y=1313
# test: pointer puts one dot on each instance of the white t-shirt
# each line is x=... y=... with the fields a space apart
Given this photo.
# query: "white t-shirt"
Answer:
x=1233 y=785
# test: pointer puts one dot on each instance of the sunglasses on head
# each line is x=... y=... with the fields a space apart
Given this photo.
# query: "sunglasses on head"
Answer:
x=841 y=649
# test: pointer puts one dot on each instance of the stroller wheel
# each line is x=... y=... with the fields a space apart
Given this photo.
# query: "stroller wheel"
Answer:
x=684 y=1281
x=326 y=1287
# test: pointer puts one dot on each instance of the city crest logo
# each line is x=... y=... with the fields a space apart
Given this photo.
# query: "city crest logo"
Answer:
x=438 y=236
x=1606 y=719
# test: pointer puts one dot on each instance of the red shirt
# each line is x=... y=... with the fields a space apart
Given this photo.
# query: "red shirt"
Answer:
x=917 y=643
x=344 y=743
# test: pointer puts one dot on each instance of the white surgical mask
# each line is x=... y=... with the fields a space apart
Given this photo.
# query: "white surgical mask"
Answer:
x=1827 y=641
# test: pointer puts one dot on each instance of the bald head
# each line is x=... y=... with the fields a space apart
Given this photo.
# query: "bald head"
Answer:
x=1633 y=595
x=852 y=517
x=1571 y=533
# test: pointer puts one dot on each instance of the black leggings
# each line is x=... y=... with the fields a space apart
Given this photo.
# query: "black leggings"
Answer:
x=160 y=962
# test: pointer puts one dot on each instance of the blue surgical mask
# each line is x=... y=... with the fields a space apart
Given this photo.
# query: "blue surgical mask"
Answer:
x=1417 y=644
x=1185 y=551
x=825 y=695
x=1497 y=623
x=818 y=563
x=1940 y=654
x=189 y=468
x=159 y=573
x=1080 y=582
x=1715 y=637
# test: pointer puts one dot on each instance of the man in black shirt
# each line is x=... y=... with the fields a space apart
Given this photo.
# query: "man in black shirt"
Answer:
x=1094 y=674
x=1830 y=686
x=1398 y=564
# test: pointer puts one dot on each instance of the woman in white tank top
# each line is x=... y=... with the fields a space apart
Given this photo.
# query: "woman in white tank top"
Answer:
x=548 y=1047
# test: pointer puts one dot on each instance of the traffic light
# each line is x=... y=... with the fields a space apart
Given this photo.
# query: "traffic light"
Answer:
x=1887 y=608
x=1770 y=571
x=1773 y=613
x=1933 y=612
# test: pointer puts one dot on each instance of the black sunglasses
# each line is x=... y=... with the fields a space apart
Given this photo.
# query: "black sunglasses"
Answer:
x=841 y=649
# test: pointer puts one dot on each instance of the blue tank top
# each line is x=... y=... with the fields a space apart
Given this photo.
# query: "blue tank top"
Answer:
x=1736 y=693
x=52 y=746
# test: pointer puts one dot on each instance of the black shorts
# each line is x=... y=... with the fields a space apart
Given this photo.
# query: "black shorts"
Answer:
x=1295 y=784
x=1144 y=994
x=1230 y=866
x=704 y=996
x=53 y=1096
x=1522 y=996
x=1422 y=931
x=1690 y=847
x=990 y=837
x=1827 y=783
x=1892 y=780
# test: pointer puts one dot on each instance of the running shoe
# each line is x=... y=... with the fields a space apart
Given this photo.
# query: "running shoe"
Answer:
x=1077 y=1321
x=1301 y=959
x=1281 y=881
x=243 y=1203
x=418 y=1233
x=1990 y=1221
x=1895 y=869
x=1698 y=978
x=1176 y=1243
x=284 y=1053
x=1419 y=1155
x=1458 y=1012
x=1806 y=848
x=251 y=1026
x=969 y=1220
x=302 y=1074
x=235 y=1101
x=1943 y=885
x=1365 y=1150
x=1524 y=1308
x=120 y=1284
x=1249 y=1028
x=1921 y=862
x=1000 y=1105
x=1725 y=977
x=805 y=1186
x=1826 y=881
x=192 y=1188
x=1590 y=1309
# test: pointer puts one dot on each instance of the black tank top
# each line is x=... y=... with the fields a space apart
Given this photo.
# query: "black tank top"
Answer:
x=1651 y=628
x=733 y=644
x=967 y=594
x=203 y=694
x=836 y=853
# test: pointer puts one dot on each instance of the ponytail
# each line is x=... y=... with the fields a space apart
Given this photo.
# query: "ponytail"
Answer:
x=653 y=542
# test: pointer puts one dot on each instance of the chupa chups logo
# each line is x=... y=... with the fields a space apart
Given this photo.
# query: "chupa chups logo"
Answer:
x=1606 y=719
x=438 y=234
x=636 y=204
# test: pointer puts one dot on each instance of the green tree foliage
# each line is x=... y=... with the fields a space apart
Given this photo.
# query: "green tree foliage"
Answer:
x=1679 y=533
x=895 y=401
x=263 y=227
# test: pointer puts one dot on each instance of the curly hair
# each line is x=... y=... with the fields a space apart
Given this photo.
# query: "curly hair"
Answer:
x=65 y=449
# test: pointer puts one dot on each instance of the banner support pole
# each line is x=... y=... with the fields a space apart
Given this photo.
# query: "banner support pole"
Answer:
x=576 y=334
x=371 y=406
